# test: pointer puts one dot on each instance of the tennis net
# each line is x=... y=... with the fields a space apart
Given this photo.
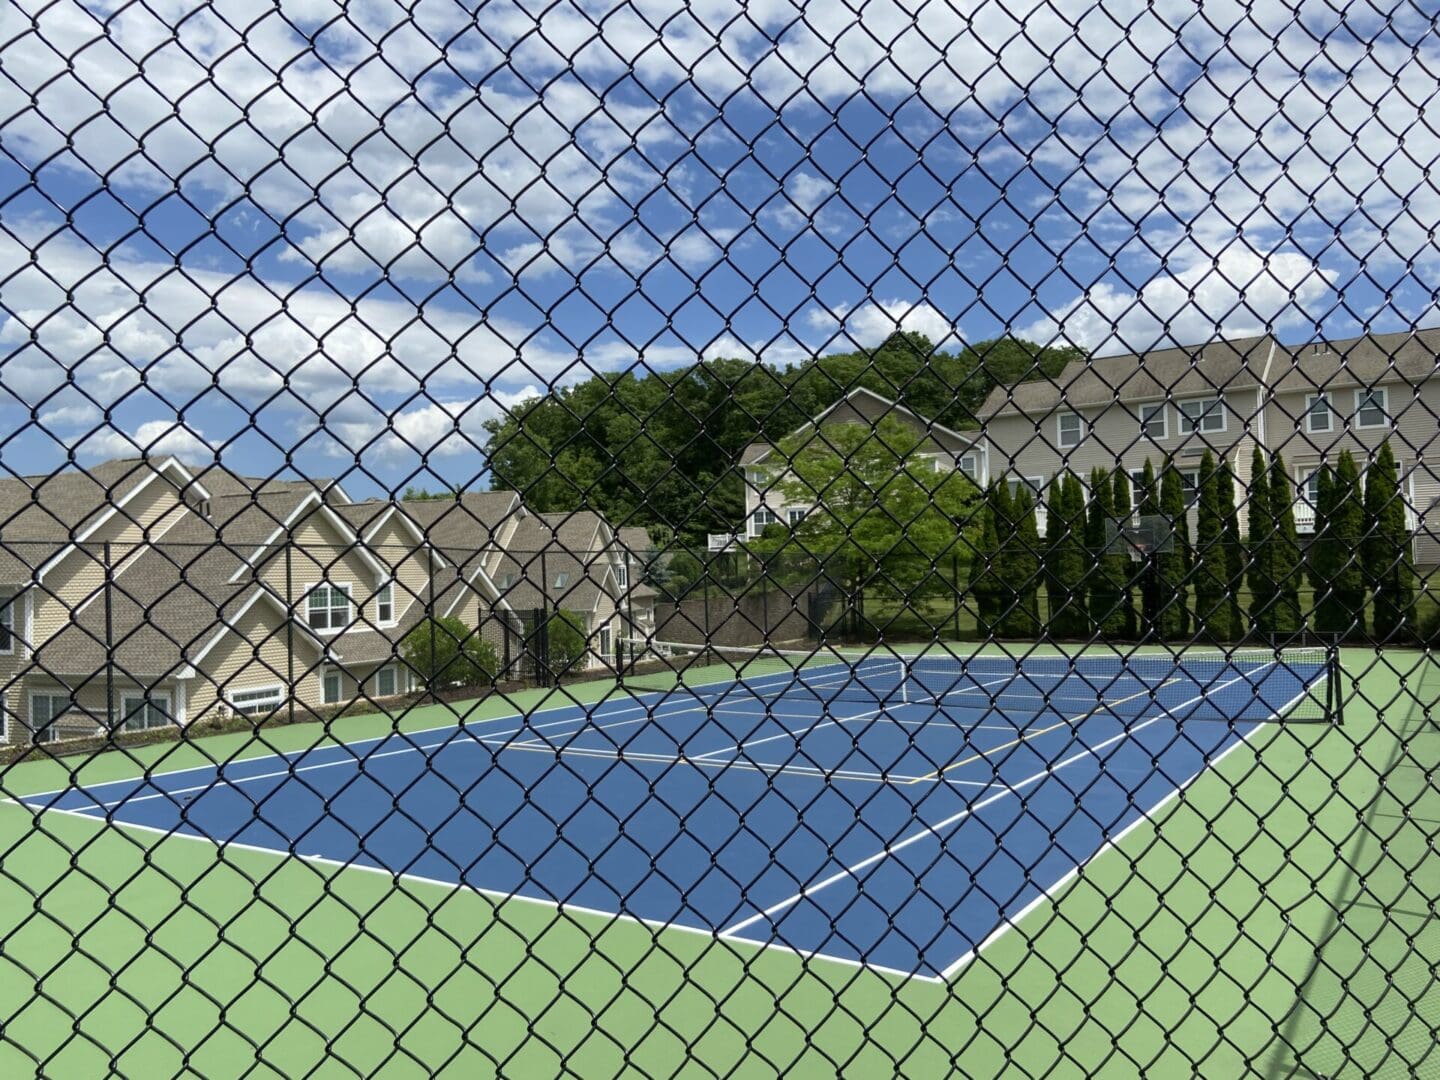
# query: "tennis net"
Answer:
x=1236 y=686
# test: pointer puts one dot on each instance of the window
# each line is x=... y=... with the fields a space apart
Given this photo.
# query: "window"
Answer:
x=142 y=711
x=385 y=682
x=1205 y=415
x=605 y=644
x=622 y=574
x=1071 y=430
x=330 y=687
x=1371 y=408
x=259 y=699
x=970 y=466
x=795 y=515
x=562 y=579
x=506 y=580
x=762 y=517
x=1033 y=484
x=328 y=607
x=385 y=604
x=1153 y=423
x=7 y=625
x=1190 y=480
x=45 y=710
x=1319 y=416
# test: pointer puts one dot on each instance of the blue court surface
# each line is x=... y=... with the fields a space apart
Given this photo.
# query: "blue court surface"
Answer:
x=899 y=833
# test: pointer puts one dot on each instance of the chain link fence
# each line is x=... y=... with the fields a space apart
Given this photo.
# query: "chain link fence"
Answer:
x=650 y=539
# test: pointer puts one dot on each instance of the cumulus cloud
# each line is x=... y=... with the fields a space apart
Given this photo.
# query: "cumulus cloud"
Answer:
x=433 y=429
x=869 y=324
x=153 y=437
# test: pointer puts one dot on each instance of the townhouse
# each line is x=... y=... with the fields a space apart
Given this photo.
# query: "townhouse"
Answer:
x=140 y=593
x=1307 y=403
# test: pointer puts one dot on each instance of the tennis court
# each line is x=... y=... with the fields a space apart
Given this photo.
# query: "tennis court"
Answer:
x=896 y=812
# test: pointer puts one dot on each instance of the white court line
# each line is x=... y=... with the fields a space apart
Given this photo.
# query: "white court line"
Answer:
x=1047 y=895
x=558 y=906
x=928 y=831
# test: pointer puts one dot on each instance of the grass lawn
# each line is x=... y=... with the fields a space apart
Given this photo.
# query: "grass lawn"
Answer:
x=1274 y=920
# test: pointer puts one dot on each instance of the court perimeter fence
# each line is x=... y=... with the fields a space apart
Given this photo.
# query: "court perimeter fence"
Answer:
x=706 y=539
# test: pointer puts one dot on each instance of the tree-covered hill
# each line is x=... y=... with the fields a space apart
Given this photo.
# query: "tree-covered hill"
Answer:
x=660 y=448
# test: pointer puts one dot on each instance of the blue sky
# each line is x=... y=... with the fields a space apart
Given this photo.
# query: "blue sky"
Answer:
x=348 y=237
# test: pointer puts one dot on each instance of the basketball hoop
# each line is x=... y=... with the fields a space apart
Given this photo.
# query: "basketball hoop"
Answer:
x=1139 y=538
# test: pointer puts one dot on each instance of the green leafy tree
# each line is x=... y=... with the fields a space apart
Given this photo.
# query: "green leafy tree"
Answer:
x=985 y=575
x=1233 y=547
x=565 y=641
x=1285 y=555
x=1212 y=606
x=1347 y=526
x=1120 y=566
x=1263 y=542
x=1065 y=557
x=1386 y=549
x=882 y=516
x=1174 y=564
x=444 y=652
x=1326 y=556
x=1021 y=563
x=1106 y=613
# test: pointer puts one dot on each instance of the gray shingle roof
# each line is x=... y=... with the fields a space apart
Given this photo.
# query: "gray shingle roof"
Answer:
x=555 y=560
x=1374 y=359
x=459 y=529
x=1185 y=371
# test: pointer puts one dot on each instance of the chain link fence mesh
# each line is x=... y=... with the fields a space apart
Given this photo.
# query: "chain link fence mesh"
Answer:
x=651 y=539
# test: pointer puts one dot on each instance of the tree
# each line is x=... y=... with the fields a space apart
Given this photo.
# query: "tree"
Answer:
x=882 y=516
x=1386 y=549
x=1021 y=565
x=984 y=578
x=1174 y=564
x=1212 y=607
x=1285 y=555
x=1103 y=590
x=1121 y=567
x=1065 y=557
x=1326 y=556
x=445 y=653
x=1261 y=572
x=1347 y=526
x=565 y=641
x=1151 y=586
x=1232 y=547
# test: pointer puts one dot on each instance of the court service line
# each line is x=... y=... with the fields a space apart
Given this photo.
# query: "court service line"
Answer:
x=1052 y=892
x=1028 y=735
x=926 y=832
x=559 y=906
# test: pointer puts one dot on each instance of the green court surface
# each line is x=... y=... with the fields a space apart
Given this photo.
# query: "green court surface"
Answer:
x=1273 y=922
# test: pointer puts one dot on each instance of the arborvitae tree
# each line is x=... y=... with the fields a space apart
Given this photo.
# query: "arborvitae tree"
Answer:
x=1104 y=594
x=1151 y=589
x=1260 y=571
x=1022 y=570
x=1212 y=606
x=1285 y=555
x=1386 y=550
x=1174 y=621
x=1348 y=527
x=1074 y=561
x=1326 y=556
x=1122 y=567
x=985 y=568
x=1233 y=548
x=1053 y=547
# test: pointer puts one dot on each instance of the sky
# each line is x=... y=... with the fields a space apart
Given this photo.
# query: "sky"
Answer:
x=340 y=238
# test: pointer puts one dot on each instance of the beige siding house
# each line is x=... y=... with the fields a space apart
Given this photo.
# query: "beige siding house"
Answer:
x=1307 y=403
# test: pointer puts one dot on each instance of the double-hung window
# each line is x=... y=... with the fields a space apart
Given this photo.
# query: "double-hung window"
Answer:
x=45 y=712
x=1372 y=408
x=327 y=608
x=142 y=711
x=1319 y=416
x=385 y=604
x=1071 y=429
x=1205 y=415
x=1152 y=421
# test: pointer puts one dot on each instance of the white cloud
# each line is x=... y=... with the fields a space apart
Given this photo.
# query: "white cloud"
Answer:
x=869 y=324
x=153 y=437
x=1239 y=293
x=433 y=429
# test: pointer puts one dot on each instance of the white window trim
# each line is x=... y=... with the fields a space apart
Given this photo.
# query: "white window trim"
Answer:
x=388 y=587
x=794 y=515
x=325 y=676
x=1060 y=419
x=394 y=675
x=1196 y=426
x=1310 y=400
x=343 y=586
x=1163 y=412
x=154 y=698
x=278 y=689
x=1383 y=396
x=1035 y=484
x=9 y=603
